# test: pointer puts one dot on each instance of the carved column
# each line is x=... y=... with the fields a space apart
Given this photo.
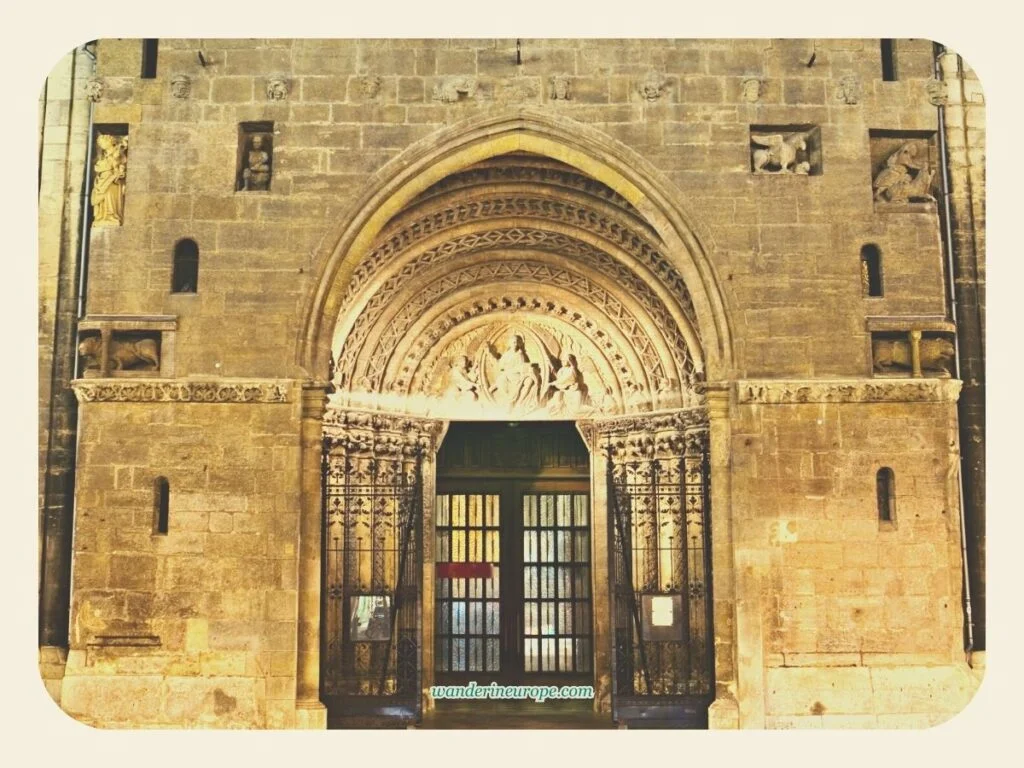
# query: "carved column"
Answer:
x=915 y=354
x=724 y=712
x=311 y=712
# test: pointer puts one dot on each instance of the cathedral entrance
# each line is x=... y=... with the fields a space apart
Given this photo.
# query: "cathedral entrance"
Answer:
x=512 y=592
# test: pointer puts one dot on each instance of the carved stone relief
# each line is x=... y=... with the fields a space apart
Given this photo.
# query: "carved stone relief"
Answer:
x=652 y=86
x=277 y=88
x=108 y=184
x=780 y=152
x=123 y=354
x=853 y=391
x=181 y=86
x=753 y=87
x=938 y=92
x=518 y=206
x=849 y=89
x=912 y=354
x=452 y=89
x=561 y=86
x=145 y=391
x=94 y=90
x=369 y=86
x=516 y=89
x=907 y=175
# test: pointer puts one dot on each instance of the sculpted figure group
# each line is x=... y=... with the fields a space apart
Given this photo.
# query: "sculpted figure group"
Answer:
x=517 y=383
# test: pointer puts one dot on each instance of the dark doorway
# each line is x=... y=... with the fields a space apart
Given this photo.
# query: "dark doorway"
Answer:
x=513 y=543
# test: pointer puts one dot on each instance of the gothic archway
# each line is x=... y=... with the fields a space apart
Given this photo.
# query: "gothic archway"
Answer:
x=505 y=283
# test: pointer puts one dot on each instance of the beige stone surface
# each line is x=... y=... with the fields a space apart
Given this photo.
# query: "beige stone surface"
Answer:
x=824 y=618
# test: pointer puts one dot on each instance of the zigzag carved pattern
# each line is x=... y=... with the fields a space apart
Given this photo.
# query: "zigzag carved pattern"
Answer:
x=537 y=207
x=514 y=237
x=531 y=271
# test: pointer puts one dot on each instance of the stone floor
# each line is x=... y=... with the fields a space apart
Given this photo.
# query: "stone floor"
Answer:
x=515 y=715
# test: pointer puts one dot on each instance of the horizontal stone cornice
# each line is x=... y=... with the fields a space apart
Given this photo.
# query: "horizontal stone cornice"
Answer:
x=791 y=391
x=220 y=390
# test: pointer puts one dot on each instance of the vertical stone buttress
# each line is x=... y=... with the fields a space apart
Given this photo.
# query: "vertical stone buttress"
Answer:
x=64 y=129
x=964 y=134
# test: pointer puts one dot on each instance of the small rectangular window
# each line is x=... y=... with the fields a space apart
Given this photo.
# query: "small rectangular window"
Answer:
x=149 y=46
x=885 y=482
x=162 y=506
x=888 y=59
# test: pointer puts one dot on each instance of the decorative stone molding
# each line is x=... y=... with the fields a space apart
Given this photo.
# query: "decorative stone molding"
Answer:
x=561 y=88
x=181 y=86
x=652 y=86
x=452 y=89
x=849 y=89
x=753 y=88
x=772 y=392
x=94 y=90
x=161 y=391
x=380 y=434
x=277 y=88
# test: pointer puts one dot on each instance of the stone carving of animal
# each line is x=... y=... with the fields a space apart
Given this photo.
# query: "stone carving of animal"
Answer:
x=893 y=355
x=124 y=355
x=780 y=151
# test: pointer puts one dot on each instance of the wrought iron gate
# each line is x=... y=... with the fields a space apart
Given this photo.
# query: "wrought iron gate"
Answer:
x=373 y=511
x=659 y=536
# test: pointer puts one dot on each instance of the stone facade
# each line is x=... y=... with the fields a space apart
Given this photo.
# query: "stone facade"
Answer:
x=604 y=200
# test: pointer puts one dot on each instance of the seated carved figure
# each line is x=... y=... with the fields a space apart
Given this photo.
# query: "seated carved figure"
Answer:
x=517 y=384
x=567 y=389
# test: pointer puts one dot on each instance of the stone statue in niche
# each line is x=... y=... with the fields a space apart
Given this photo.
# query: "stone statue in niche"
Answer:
x=108 y=183
x=560 y=87
x=181 y=86
x=256 y=170
x=463 y=380
x=906 y=177
x=567 y=391
x=138 y=354
x=517 y=383
x=779 y=153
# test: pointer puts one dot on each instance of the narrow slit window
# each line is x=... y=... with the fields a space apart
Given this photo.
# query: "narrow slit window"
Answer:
x=185 y=274
x=886 y=482
x=149 y=46
x=888 y=59
x=162 y=496
x=871 y=269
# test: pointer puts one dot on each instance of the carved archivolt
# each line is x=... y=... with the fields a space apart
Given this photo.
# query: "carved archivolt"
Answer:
x=530 y=271
x=517 y=288
x=142 y=391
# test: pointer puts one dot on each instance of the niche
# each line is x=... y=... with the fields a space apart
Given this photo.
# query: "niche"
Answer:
x=255 y=157
x=785 y=149
x=903 y=169
x=117 y=346
x=913 y=353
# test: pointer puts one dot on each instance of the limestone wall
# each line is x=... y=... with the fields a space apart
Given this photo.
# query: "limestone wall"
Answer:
x=196 y=626
x=834 y=617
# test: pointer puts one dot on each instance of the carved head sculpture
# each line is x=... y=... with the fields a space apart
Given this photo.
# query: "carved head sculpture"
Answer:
x=560 y=87
x=569 y=361
x=94 y=90
x=257 y=142
x=277 y=88
x=181 y=86
x=515 y=342
x=370 y=86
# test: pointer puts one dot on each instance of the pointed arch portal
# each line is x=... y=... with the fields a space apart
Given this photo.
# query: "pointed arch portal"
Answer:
x=517 y=269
